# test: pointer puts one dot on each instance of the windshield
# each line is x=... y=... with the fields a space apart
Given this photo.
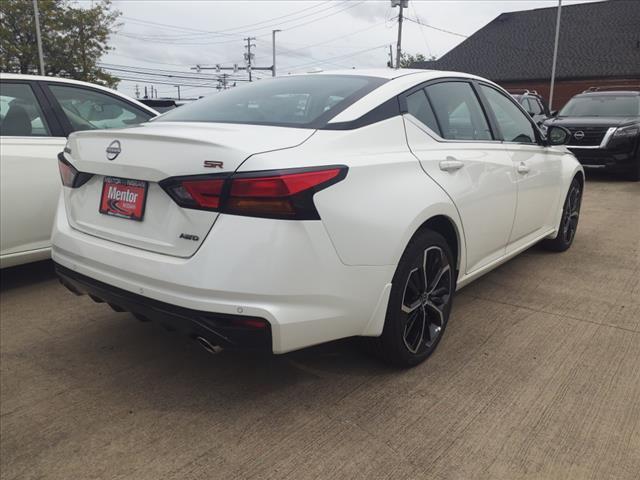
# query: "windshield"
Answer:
x=298 y=101
x=602 y=106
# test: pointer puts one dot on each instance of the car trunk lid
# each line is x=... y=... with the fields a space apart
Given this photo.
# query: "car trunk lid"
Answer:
x=137 y=159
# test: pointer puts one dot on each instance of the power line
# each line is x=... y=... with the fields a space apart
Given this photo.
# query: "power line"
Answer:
x=436 y=28
x=240 y=27
x=338 y=57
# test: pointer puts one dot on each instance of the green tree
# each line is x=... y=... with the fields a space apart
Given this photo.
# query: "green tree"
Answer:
x=407 y=60
x=73 y=38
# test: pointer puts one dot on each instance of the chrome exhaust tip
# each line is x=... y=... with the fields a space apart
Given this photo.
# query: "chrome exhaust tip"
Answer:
x=208 y=346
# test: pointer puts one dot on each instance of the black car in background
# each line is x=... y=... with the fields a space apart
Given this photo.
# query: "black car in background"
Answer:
x=533 y=103
x=605 y=129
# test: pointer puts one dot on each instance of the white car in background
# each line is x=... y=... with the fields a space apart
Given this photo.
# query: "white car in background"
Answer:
x=36 y=116
x=308 y=208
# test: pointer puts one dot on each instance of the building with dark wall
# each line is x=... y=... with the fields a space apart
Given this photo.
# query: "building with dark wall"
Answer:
x=599 y=45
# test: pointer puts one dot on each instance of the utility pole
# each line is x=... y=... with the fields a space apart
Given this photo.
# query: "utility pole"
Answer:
x=36 y=16
x=273 y=47
x=178 y=87
x=402 y=4
x=137 y=91
x=555 y=55
x=390 y=56
x=249 y=56
x=146 y=93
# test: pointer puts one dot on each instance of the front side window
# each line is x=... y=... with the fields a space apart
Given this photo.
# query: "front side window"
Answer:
x=513 y=122
x=306 y=101
x=609 y=105
x=418 y=106
x=458 y=111
x=20 y=112
x=89 y=109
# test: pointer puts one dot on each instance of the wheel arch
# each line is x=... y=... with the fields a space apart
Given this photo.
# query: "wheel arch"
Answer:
x=445 y=226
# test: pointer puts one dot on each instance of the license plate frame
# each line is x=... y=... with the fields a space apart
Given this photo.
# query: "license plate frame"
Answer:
x=128 y=198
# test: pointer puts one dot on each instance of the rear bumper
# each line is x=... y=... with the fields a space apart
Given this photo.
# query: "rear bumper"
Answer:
x=229 y=331
x=285 y=272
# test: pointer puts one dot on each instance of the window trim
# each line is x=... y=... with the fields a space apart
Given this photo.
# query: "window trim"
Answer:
x=59 y=112
x=402 y=99
x=49 y=117
x=536 y=131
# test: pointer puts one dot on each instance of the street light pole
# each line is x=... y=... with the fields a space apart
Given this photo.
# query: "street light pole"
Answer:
x=36 y=16
x=273 y=47
x=555 y=55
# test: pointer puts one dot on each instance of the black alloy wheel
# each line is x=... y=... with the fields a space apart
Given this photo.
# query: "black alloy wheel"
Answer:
x=569 y=221
x=420 y=301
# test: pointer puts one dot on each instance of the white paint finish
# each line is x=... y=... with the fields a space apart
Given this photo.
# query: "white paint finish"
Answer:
x=321 y=280
x=29 y=188
x=483 y=190
x=539 y=188
x=30 y=184
x=289 y=273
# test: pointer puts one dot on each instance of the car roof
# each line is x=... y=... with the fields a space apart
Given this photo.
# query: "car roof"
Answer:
x=616 y=93
x=399 y=81
x=41 y=78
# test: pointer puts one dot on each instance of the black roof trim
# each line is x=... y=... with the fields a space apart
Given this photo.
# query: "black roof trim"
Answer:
x=388 y=109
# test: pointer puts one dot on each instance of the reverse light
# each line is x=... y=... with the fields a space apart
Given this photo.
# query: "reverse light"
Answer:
x=285 y=194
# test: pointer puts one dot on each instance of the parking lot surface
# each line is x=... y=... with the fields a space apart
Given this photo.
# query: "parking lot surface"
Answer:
x=538 y=376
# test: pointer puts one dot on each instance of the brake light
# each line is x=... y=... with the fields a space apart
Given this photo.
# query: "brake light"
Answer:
x=206 y=193
x=286 y=194
x=71 y=177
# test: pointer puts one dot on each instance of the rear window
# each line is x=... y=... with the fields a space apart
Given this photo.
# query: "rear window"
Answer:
x=602 y=106
x=299 y=101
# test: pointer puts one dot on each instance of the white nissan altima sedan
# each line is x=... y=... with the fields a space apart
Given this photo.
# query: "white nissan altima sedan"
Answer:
x=308 y=208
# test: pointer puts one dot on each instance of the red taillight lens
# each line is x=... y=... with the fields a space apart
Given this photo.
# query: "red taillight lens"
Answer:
x=286 y=194
x=206 y=193
x=282 y=185
x=68 y=173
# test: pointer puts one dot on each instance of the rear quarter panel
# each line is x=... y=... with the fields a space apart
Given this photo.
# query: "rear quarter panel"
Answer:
x=372 y=214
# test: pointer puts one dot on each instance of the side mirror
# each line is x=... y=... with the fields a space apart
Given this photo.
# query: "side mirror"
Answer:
x=554 y=113
x=557 y=135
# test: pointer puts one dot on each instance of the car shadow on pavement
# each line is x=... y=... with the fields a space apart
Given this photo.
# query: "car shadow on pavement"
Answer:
x=21 y=275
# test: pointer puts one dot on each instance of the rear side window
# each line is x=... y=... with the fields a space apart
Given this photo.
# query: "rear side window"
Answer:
x=307 y=101
x=20 y=112
x=514 y=124
x=458 y=111
x=533 y=106
x=89 y=109
x=419 y=107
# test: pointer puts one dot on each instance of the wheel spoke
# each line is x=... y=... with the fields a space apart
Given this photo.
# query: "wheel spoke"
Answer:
x=425 y=298
x=414 y=330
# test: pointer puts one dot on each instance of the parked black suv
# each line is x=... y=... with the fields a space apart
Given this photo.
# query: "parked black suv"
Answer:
x=605 y=128
x=533 y=103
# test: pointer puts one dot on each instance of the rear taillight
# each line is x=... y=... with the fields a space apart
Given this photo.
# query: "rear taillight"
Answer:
x=286 y=194
x=70 y=176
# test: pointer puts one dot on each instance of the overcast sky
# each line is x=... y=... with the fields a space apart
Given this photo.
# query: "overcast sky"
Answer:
x=173 y=35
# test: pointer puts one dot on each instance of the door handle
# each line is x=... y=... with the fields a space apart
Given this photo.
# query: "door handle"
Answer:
x=523 y=168
x=451 y=165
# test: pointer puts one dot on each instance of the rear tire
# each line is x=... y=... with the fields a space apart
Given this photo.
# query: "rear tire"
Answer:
x=420 y=301
x=569 y=221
